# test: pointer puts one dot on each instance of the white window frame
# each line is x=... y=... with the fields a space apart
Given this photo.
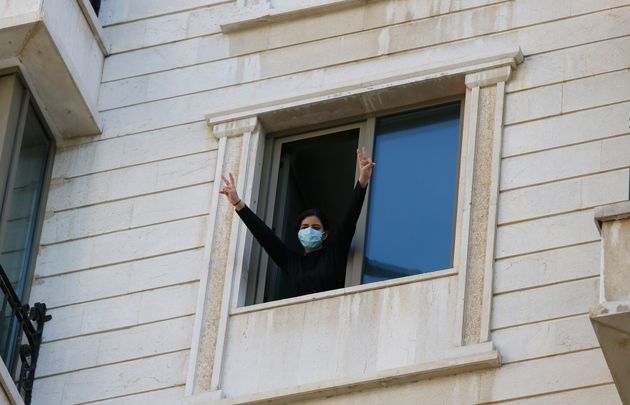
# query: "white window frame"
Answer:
x=367 y=134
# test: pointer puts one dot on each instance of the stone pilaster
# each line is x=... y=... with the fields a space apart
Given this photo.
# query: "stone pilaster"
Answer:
x=238 y=142
x=484 y=97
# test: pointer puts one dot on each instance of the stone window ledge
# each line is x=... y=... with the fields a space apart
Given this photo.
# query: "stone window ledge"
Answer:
x=462 y=360
x=250 y=17
x=344 y=291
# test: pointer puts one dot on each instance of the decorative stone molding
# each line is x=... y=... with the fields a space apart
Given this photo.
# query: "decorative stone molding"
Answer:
x=241 y=135
x=611 y=318
x=483 y=129
x=462 y=363
x=239 y=145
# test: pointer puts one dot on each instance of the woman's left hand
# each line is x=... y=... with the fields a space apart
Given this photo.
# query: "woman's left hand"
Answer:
x=365 y=167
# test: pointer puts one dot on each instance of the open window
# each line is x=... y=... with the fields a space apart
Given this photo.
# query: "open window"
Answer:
x=26 y=150
x=408 y=222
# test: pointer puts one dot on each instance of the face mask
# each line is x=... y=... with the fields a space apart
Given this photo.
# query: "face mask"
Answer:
x=310 y=238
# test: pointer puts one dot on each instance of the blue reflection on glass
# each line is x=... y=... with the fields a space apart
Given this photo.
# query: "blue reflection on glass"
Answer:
x=413 y=193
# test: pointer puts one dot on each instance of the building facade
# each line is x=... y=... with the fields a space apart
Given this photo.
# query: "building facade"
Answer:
x=490 y=272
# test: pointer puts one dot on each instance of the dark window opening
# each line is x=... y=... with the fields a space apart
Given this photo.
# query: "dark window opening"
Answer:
x=316 y=172
x=96 y=5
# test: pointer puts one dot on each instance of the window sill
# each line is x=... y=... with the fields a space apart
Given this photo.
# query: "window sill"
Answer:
x=461 y=360
x=246 y=18
x=344 y=291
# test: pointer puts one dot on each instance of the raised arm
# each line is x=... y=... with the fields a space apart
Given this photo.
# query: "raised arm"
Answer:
x=276 y=249
x=348 y=224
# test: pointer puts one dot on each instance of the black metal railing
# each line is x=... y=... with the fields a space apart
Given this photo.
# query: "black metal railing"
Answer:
x=31 y=324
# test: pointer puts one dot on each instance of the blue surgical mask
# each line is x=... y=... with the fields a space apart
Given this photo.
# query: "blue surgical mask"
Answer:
x=310 y=238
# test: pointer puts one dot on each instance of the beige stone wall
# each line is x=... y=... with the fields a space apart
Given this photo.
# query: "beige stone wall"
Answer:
x=122 y=248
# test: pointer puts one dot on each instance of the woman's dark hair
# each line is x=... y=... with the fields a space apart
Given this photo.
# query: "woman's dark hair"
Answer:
x=312 y=212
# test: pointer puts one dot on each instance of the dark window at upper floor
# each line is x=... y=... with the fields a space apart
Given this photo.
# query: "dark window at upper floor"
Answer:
x=96 y=4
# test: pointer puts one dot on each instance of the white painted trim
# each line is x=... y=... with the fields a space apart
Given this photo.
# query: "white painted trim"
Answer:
x=95 y=25
x=9 y=386
x=460 y=362
x=204 y=282
x=344 y=291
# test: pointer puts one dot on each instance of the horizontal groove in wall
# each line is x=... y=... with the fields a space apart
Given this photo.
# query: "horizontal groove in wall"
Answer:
x=543 y=285
x=117 y=263
x=132 y=196
x=132 y=228
x=505 y=401
x=201 y=152
x=576 y=79
x=563 y=48
x=565 y=145
x=111 y=364
x=505 y=363
x=75 y=143
x=180 y=11
x=114 y=296
x=130 y=396
x=563 y=178
x=170 y=221
x=127 y=166
x=548 y=249
x=567 y=112
x=118 y=329
x=559 y=213
x=573 y=315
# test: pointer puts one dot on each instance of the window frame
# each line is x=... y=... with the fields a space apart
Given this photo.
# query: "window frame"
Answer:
x=11 y=135
x=367 y=135
x=240 y=132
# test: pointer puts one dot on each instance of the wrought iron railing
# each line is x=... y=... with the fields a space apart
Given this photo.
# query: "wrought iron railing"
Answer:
x=31 y=324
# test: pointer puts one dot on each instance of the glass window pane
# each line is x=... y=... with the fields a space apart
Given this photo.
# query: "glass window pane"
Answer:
x=413 y=193
x=19 y=211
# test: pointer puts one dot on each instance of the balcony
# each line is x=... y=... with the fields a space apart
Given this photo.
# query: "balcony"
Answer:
x=58 y=49
x=611 y=318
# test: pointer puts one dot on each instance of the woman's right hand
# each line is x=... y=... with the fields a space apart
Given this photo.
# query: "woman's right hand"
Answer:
x=229 y=190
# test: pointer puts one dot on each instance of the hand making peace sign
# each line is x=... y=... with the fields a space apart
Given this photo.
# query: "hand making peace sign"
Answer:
x=229 y=190
x=365 y=167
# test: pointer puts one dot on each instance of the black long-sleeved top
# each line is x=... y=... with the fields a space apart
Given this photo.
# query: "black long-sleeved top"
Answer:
x=320 y=270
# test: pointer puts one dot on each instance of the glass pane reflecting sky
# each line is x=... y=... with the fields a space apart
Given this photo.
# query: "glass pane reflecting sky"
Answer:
x=413 y=193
